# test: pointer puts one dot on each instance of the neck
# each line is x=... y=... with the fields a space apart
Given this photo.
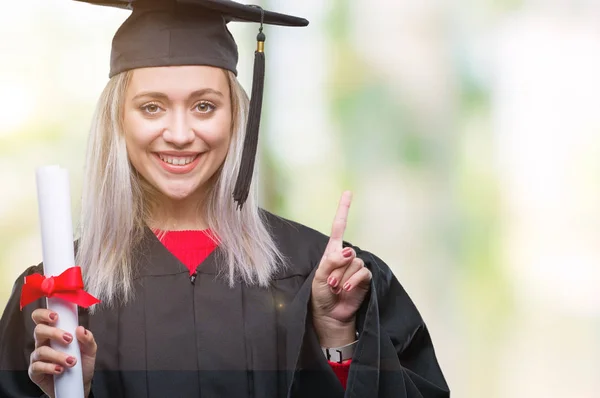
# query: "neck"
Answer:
x=176 y=215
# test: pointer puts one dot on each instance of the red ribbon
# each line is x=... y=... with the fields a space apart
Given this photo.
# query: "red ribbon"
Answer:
x=67 y=286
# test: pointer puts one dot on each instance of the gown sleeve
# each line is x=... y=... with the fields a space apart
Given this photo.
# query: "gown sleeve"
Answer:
x=17 y=343
x=395 y=353
x=394 y=356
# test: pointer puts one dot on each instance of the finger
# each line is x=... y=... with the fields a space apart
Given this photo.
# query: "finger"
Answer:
x=356 y=265
x=331 y=262
x=42 y=335
x=339 y=223
x=336 y=277
x=44 y=315
x=48 y=354
x=87 y=343
x=38 y=369
x=361 y=278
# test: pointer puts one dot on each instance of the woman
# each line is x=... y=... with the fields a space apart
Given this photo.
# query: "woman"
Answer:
x=202 y=296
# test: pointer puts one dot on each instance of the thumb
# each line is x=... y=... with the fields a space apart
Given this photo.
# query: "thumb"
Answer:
x=87 y=343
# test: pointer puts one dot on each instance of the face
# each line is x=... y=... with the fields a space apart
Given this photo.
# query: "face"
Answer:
x=177 y=123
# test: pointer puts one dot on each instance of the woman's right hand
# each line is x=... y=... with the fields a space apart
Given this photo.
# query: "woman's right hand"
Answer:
x=46 y=362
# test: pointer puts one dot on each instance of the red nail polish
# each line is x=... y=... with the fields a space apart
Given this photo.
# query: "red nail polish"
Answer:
x=67 y=337
x=347 y=286
x=52 y=316
x=347 y=252
x=85 y=332
x=70 y=361
x=58 y=369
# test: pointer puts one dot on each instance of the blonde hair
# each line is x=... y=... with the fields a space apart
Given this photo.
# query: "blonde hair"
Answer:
x=117 y=202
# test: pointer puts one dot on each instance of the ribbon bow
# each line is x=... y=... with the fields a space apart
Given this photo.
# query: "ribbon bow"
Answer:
x=67 y=286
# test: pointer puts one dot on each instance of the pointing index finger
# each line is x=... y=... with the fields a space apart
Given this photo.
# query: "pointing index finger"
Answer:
x=339 y=223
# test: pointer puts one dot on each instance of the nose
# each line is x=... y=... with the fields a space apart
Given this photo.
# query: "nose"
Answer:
x=179 y=131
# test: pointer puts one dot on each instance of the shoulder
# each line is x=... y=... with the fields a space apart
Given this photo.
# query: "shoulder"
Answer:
x=283 y=228
x=15 y=294
x=34 y=269
x=20 y=281
x=302 y=246
x=12 y=309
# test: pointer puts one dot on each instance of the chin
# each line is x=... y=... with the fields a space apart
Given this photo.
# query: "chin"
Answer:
x=179 y=193
x=176 y=196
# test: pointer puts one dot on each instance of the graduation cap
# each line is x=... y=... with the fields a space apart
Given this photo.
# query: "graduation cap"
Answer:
x=194 y=32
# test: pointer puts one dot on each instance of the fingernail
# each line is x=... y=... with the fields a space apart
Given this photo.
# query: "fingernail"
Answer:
x=347 y=252
x=67 y=337
x=85 y=332
x=71 y=361
x=347 y=286
x=58 y=369
x=332 y=281
x=52 y=316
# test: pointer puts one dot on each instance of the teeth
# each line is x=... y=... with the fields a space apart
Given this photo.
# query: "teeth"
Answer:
x=177 y=160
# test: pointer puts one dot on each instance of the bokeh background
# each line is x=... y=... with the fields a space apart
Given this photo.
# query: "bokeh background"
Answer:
x=469 y=132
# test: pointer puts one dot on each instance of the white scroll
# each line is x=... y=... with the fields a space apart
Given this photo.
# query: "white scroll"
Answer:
x=57 y=248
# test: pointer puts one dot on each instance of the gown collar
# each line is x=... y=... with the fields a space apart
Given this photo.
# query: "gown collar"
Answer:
x=154 y=259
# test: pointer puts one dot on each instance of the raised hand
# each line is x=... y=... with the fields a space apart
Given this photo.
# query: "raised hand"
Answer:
x=45 y=362
x=340 y=285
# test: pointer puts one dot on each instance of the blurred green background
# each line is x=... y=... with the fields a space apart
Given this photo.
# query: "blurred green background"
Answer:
x=467 y=130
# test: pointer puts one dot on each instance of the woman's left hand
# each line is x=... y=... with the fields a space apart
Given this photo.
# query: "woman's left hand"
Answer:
x=340 y=285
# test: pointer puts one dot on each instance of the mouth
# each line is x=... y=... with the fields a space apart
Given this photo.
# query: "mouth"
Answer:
x=178 y=163
x=177 y=160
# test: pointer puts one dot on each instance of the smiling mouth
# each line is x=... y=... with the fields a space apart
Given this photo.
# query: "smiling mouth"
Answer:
x=177 y=160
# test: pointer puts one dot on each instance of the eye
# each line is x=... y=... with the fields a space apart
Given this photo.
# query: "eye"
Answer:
x=204 y=107
x=151 y=108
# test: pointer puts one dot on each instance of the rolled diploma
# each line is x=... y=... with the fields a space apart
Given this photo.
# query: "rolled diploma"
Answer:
x=57 y=250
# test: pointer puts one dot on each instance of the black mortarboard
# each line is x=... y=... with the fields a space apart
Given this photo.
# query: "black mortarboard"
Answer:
x=194 y=32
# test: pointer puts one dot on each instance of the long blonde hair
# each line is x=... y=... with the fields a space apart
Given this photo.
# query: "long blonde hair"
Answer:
x=116 y=204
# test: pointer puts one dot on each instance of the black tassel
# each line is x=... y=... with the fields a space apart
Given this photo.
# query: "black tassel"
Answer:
x=244 y=179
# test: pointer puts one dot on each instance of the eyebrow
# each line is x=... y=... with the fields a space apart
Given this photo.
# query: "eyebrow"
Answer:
x=163 y=96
